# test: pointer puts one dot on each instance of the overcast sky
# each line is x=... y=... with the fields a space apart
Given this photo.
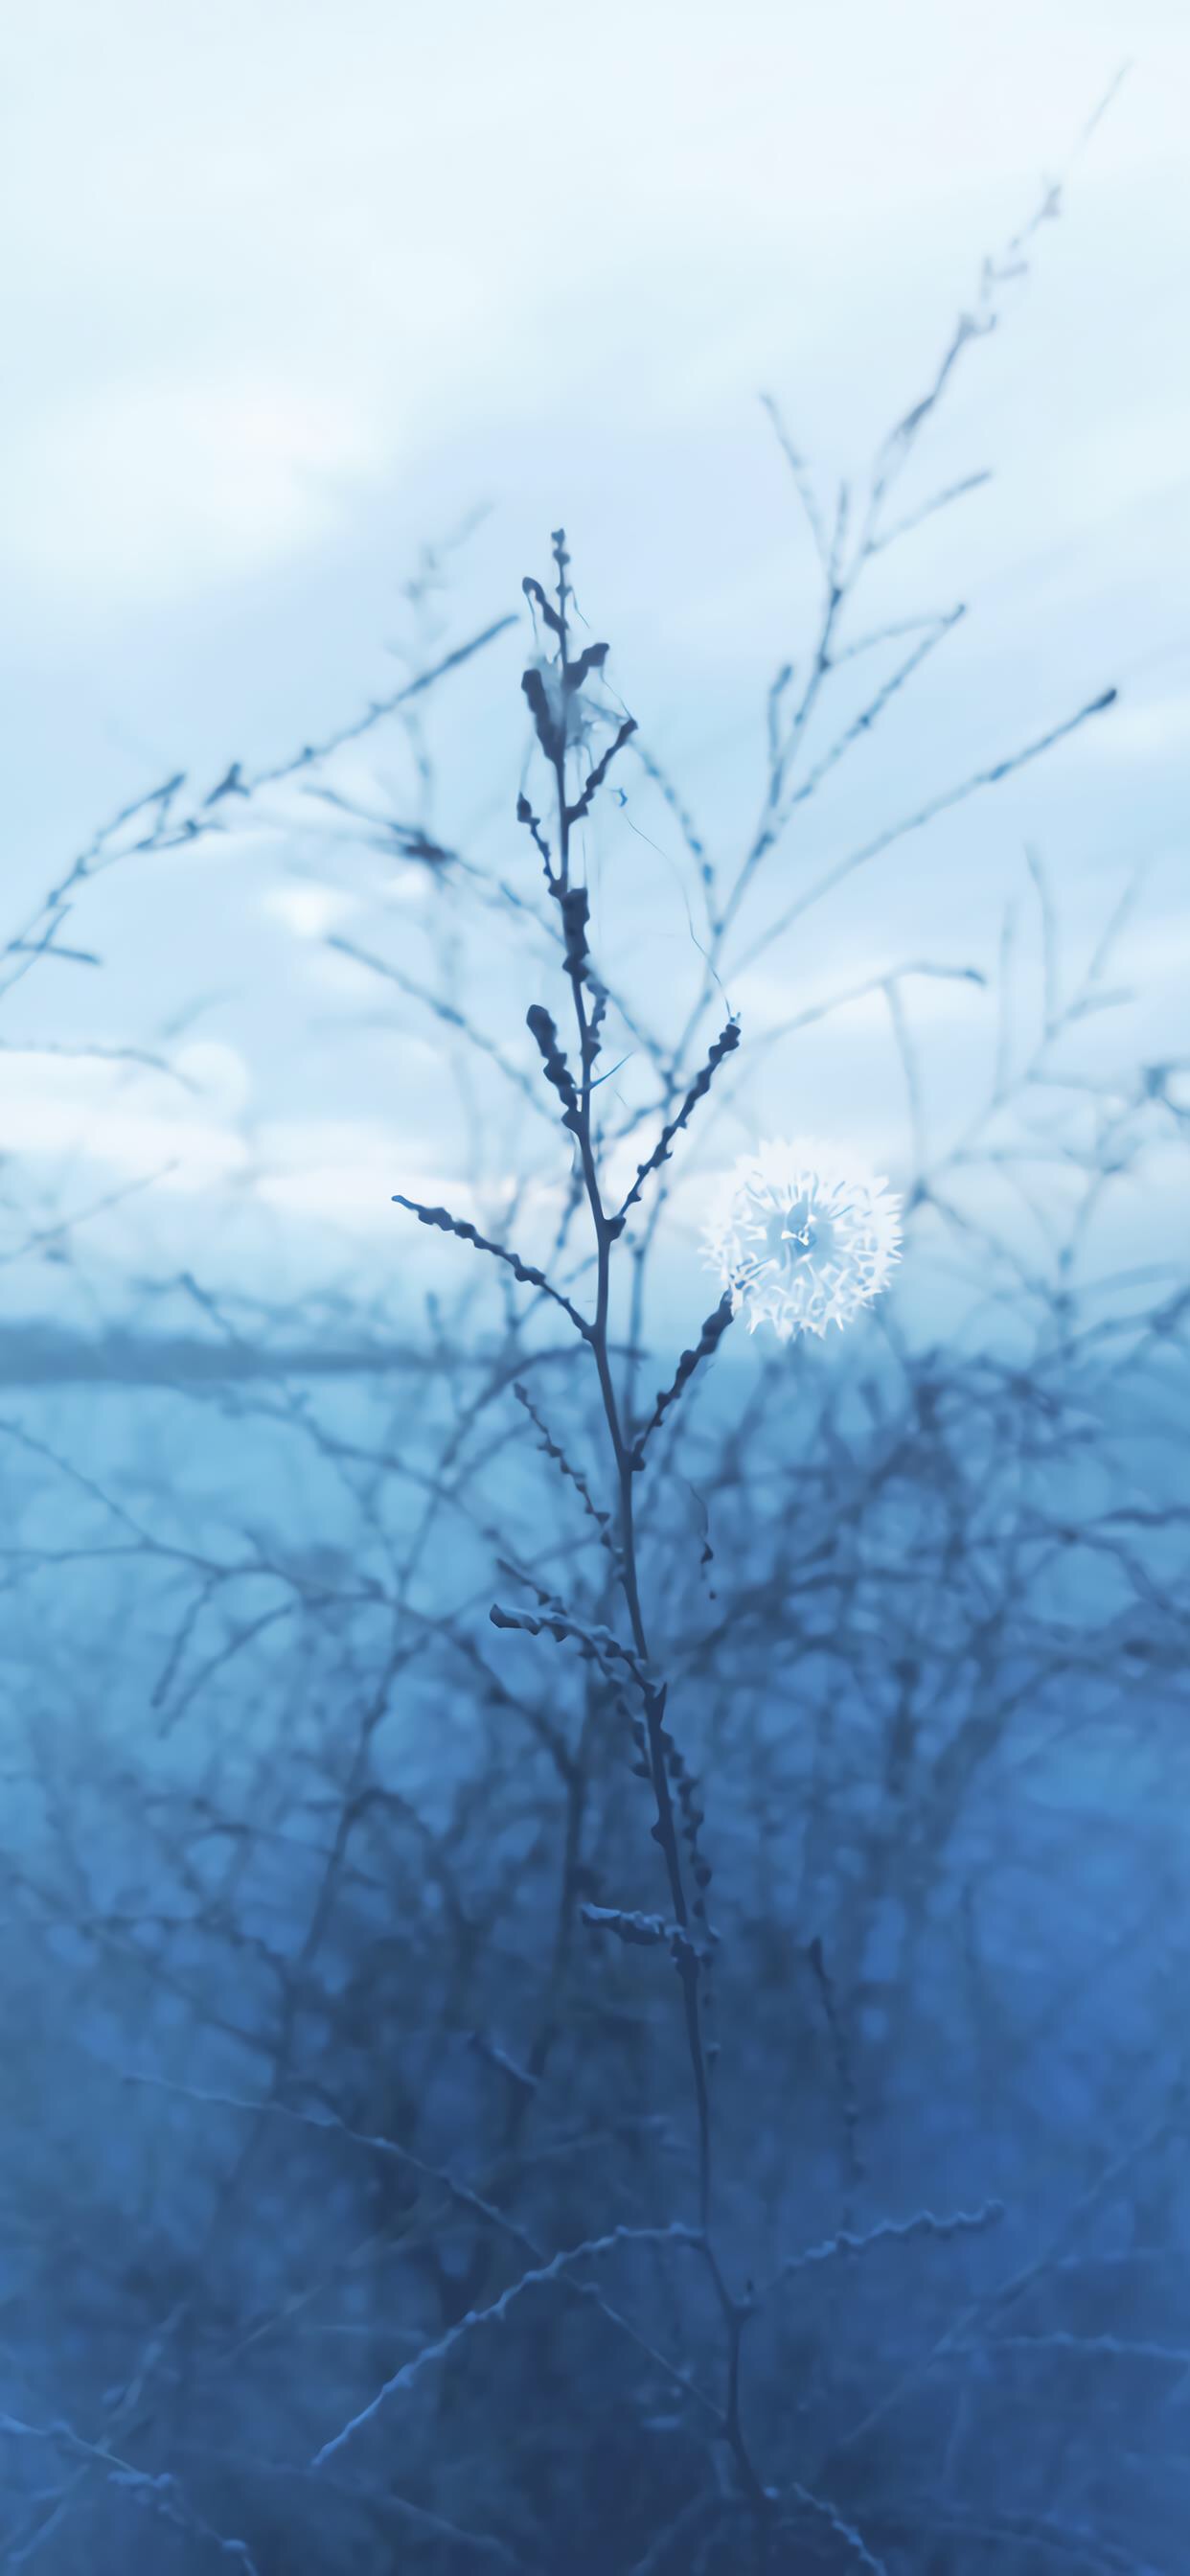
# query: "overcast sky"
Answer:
x=288 y=288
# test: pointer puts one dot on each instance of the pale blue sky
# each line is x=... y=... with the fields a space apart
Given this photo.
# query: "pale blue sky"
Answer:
x=289 y=287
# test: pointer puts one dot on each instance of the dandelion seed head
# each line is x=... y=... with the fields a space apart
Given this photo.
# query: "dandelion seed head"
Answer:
x=804 y=1235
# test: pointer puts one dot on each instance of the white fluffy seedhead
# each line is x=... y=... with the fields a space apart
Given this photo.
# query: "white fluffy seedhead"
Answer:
x=803 y=1235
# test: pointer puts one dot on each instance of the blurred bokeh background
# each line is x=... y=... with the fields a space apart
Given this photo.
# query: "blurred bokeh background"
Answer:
x=849 y=345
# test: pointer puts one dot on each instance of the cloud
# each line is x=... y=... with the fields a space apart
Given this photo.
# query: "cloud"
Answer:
x=186 y=1136
x=308 y=911
x=86 y=1107
x=138 y=486
x=1157 y=731
x=850 y=1001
